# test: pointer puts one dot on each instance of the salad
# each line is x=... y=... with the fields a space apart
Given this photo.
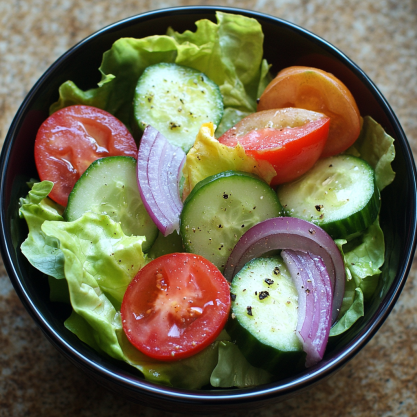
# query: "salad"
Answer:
x=210 y=225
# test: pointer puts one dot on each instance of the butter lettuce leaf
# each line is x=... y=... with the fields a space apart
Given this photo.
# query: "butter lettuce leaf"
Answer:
x=350 y=284
x=355 y=311
x=97 y=255
x=100 y=261
x=363 y=257
x=352 y=307
x=209 y=157
x=230 y=117
x=376 y=147
x=41 y=251
x=229 y=52
x=233 y=370
x=190 y=373
x=120 y=70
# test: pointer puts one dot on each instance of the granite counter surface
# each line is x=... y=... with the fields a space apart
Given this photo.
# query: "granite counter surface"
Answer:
x=380 y=36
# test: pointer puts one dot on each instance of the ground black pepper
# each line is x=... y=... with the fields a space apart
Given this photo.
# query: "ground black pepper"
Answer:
x=263 y=295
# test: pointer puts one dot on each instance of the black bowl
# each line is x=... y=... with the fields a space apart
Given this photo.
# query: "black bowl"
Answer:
x=285 y=44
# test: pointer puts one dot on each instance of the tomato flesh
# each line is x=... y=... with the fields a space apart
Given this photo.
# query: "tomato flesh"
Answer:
x=72 y=138
x=317 y=90
x=175 y=306
x=290 y=139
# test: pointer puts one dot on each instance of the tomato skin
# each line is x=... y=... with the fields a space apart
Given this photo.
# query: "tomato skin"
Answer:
x=175 y=306
x=72 y=138
x=292 y=144
x=314 y=89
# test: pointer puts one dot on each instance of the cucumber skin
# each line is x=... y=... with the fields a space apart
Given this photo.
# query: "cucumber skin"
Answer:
x=139 y=126
x=356 y=222
x=225 y=174
x=214 y=177
x=277 y=362
x=67 y=215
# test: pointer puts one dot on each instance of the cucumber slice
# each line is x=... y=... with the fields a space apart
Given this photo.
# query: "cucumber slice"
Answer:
x=176 y=100
x=338 y=194
x=109 y=186
x=164 y=245
x=220 y=209
x=264 y=316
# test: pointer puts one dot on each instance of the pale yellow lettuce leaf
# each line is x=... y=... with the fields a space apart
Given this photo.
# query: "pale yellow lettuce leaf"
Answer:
x=209 y=157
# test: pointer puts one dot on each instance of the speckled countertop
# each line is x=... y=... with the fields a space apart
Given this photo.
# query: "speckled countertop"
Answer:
x=380 y=36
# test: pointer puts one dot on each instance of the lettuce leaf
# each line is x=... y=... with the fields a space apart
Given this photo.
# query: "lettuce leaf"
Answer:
x=355 y=311
x=364 y=256
x=350 y=284
x=97 y=254
x=376 y=147
x=229 y=52
x=233 y=370
x=100 y=261
x=41 y=251
x=120 y=69
x=190 y=373
x=209 y=157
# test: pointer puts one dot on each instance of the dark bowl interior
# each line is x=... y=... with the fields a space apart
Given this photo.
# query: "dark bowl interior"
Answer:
x=285 y=44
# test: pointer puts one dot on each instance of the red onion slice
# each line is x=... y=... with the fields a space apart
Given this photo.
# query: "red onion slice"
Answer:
x=304 y=287
x=158 y=173
x=315 y=302
x=174 y=171
x=296 y=234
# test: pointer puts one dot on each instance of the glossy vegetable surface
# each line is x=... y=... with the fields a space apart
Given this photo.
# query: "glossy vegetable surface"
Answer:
x=290 y=139
x=317 y=90
x=315 y=301
x=295 y=234
x=158 y=173
x=71 y=139
x=175 y=306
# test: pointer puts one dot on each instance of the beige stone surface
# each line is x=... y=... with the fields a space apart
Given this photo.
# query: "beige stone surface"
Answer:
x=380 y=36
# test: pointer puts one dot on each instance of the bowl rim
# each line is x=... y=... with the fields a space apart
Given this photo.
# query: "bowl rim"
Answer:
x=229 y=396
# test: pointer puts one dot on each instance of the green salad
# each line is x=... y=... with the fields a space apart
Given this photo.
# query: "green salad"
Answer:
x=89 y=254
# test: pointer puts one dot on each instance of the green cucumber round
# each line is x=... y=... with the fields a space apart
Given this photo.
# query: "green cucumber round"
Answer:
x=176 y=100
x=338 y=194
x=264 y=316
x=220 y=209
x=109 y=186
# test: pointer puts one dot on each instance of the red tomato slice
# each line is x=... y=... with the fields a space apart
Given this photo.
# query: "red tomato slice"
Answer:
x=290 y=139
x=72 y=138
x=317 y=90
x=175 y=306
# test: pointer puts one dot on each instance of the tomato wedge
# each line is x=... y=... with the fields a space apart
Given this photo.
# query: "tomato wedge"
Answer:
x=317 y=90
x=72 y=138
x=175 y=306
x=290 y=139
